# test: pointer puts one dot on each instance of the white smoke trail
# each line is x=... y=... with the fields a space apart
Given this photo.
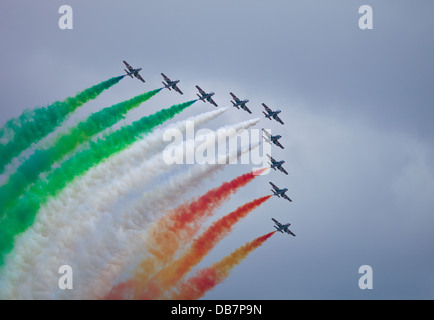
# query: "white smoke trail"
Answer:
x=39 y=244
x=124 y=240
x=38 y=279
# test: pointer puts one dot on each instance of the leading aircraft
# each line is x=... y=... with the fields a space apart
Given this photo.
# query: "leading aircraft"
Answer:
x=171 y=84
x=272 y=114
x=277 y=164
x=280 y=192
x=133 y=72
x=283 y=227
x=240 y=103
x=272 y=139
x=206 y=96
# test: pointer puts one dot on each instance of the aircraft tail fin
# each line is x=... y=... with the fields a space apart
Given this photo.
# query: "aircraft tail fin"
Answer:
x=266 y=115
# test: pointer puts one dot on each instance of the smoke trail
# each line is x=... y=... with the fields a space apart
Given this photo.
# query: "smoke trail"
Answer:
x=206 y=279
x=22 y=213
x=33 y=125
x=94 y=258
x=42 y=160
x=53 y=247
x=131 y=233
x=103 y=262
x=171 y=274
x=181 y=224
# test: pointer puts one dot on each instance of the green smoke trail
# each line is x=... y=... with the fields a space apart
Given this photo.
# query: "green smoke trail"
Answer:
x=42 y=160
x=23 y=212
x=33 y=125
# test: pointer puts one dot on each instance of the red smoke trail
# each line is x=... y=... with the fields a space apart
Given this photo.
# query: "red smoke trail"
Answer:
x=201 y=246
x=206 y=279
x=177 y=228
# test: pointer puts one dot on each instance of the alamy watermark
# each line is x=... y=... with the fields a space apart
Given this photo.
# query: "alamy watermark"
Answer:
x=366 y=281
x=224 y=146
x=66 y=278
x=65 y=21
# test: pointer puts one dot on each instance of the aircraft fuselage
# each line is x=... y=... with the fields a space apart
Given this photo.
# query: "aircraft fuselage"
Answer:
x=277 y=164
x=275 y=138
x=241 y=103
x=282 y=228
x=280 y=192
x=274 y=113
x=171 y=83
x=134 y=72
x=207 y=96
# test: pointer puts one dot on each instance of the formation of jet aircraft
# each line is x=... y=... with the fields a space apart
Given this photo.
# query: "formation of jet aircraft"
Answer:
x=236 y=102
x=239 y=104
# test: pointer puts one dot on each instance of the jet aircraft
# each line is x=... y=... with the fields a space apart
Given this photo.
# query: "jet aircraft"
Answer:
x=169 y=84
x=272 y=139
x=240 y=103
x=280 y=192
x=282 y=227
x=272 y=114
x=277 y=164
x=206 y=96
x=133 y=72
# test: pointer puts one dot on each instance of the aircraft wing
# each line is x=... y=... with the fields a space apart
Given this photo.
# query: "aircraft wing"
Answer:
x=286 y=197
x=210 y=100
x=247 y=109
x=201 y=91
x=282 y=169
x=177 y=89
x=128 y=66
x=274 y=186
x=276 y=222
x=277 y=143
x=234 y=97
x=289 y=232
x=165 y=78
x=276 y=117
x=138 y=76
x=266 y=108
x=271 y=158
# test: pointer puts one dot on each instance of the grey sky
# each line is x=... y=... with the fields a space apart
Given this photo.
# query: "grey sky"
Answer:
x=357 y=106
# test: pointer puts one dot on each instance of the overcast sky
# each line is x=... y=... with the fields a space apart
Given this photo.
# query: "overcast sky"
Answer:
x=357 y=105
